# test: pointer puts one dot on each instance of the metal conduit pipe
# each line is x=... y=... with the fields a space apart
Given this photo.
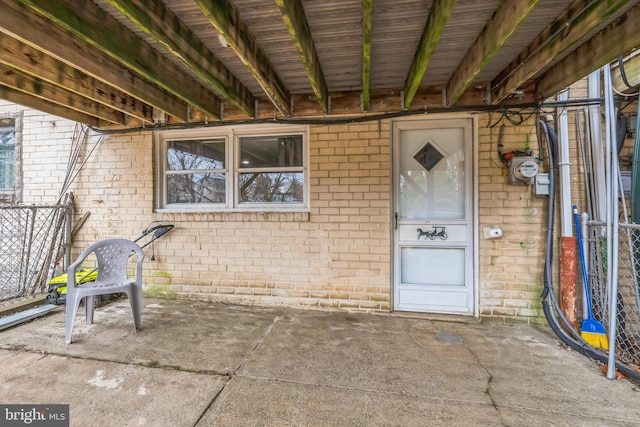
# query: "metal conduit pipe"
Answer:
x=549 y=302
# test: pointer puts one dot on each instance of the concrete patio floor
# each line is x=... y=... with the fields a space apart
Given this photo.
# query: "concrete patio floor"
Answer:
x=210 y=364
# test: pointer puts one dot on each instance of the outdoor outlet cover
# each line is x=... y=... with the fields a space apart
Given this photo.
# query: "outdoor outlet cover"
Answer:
x=492 y=232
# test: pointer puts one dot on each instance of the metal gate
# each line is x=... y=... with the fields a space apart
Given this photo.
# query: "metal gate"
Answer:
x=31 y=241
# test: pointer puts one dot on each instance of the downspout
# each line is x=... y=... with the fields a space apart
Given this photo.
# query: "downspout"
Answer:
x=568 y=244
x=613 y=227
x=599 y=195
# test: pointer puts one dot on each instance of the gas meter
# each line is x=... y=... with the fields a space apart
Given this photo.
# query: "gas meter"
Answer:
x=522 y=170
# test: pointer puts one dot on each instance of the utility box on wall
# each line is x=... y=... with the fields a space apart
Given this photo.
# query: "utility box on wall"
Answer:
x=542 y=184
x=522 y=170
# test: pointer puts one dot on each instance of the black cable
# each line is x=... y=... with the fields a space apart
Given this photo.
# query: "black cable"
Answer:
x=509 y=112
x=623 y=75
x=549 y=303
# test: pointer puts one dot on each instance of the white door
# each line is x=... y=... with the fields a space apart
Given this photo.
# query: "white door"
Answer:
x=433 y=218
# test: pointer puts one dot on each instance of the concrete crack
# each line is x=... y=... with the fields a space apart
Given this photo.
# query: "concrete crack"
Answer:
x=487 y=389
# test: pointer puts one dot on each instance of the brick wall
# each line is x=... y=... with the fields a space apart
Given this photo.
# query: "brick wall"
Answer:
x=337 y=255
x=510 y=279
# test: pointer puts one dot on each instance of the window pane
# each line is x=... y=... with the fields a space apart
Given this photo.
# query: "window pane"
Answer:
x=286 y=187
x=7 y=157
x=195 y=155
x=423 y=266
x=271 y=151
x=196 y=188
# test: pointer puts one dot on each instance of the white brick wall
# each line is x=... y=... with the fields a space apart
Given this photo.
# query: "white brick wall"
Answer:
x=338 y=255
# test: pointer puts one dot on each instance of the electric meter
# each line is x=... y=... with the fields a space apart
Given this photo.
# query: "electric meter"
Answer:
x=522 y=170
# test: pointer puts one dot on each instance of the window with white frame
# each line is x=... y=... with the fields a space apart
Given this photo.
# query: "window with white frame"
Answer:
x=9 y=159
x=232 y=169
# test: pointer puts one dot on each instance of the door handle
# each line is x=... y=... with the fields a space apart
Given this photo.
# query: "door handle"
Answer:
x=395 y=216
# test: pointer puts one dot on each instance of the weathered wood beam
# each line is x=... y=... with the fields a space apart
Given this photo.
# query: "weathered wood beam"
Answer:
x=23 y=82
x=34 y=30
x=631 y=70
x=565 y=31
x=348 y=104
x=40 y=104
x=92 y=25
x=618 y=38
x=367 y=16
x=225 y=18
x=296 y=22
x=506 y=19
x=438 y=17
x=23 y=57
x=163 y=26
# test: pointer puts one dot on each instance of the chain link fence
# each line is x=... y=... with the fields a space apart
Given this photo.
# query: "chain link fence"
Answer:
x=31 y=241
x=627 y=349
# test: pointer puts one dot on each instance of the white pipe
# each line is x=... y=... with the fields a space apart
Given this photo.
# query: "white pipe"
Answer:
x=564 y=170
x=599 y=174
x=612 y=215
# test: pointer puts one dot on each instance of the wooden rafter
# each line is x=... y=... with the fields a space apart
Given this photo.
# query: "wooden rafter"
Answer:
x=438 y=17
x=23 y=82
x=25 y=58
x=163 y=26
x=563 y=33
x=92 y=25
x=296 y=22
x=618 y=38
x=225 y=18
x=509 y=15
x=32 y=29
x=367 y=16
x=40 y=104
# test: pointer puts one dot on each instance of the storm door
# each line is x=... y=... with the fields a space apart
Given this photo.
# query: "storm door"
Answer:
x=433 y=217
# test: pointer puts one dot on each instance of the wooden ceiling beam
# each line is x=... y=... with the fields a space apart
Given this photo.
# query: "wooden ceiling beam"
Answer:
x=40 y=104
x=618 y=38
x=162 y=25
x=630 y=72
x=25 y=58
x=225 y=18
x=23 y=82
x=367 y=17
x=92 y=25
x=296 y=22
x=428 y=99
x=565 y=31
x=438 y=17
x=22 y=23
x=506 y=19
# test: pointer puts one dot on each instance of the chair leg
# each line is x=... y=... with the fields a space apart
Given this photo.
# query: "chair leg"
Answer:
x=135 y=300
x=71 y=311
x=89 y=303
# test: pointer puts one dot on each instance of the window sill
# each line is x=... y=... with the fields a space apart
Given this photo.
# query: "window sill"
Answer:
x=232 y=216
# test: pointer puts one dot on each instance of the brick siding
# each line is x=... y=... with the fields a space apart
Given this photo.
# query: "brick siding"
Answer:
x=336 y=256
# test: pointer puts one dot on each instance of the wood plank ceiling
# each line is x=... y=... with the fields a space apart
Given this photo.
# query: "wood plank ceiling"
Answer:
x=133 y=63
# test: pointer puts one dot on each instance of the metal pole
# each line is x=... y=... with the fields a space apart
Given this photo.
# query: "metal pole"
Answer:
x=67 y=237
x=27 y=253
x=587 y=259
x=612 y=241
x=599 y=173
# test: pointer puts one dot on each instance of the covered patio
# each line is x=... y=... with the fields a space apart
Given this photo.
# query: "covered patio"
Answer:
x=204 y=364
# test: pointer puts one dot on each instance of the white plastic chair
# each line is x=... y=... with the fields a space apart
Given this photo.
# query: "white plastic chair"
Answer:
x=112 y=256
